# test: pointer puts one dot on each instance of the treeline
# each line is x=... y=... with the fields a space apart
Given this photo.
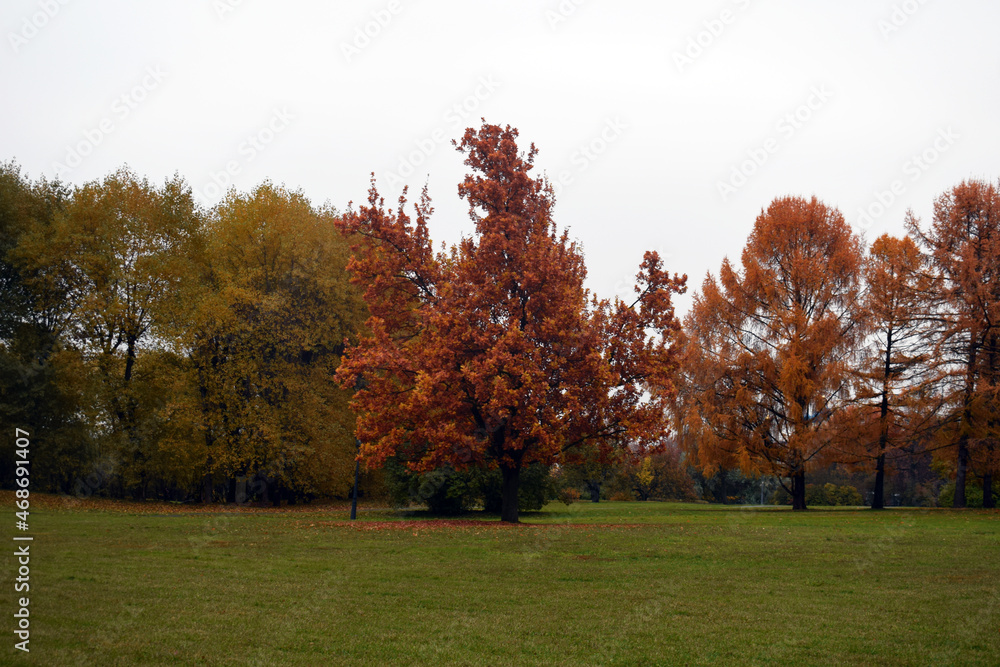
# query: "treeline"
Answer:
x=157 y=349
x=818 y=350
x=154 y=348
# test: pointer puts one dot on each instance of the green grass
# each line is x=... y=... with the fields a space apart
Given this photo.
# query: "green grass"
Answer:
x=607 y=584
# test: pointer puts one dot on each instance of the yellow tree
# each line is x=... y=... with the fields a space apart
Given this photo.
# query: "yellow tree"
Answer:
x=118 y=253
x=768 y=346
x=268 y=337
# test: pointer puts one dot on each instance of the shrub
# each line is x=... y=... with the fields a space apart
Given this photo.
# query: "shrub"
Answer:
x=973 y=493
x=569 y=495
x=449 y=492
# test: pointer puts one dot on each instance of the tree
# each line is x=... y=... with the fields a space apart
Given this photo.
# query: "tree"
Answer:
x=768 y=347
x=895 y=373
x=44 y=384
x=119 y=251
x=493 y=353
x=589 y=470
x=267 y=337
x=658 y=475
x=963 y=247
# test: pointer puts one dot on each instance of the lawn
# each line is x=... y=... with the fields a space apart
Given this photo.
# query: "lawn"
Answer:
x=606 y=584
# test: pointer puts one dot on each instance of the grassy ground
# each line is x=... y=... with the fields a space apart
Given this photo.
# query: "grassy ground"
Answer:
x=608 y=584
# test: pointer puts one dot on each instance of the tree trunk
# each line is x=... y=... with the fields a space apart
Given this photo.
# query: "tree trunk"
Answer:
x=878 y=502
x=206 y=489
x=988 y=502
x=511 y=479
x=595 y=491
x=961 y=472
x=799 y=490
x=263 y=488
x=240 y=494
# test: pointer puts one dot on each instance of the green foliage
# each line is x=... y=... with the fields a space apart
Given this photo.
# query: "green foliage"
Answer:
x=536 y=488
x=45 y=385
x=973 y=493
x=727 y=487
x=827 y=495
x=831 y=494
x=448 y=492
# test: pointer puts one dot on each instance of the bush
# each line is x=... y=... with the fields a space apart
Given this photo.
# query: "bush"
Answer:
x=823 y=495
x=569 y=496
x=726 y=487
x=536 y=488
x=447 y=491
x=973 y=493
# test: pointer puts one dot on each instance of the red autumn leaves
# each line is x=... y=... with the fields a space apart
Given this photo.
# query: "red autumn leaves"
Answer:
x=492 y=352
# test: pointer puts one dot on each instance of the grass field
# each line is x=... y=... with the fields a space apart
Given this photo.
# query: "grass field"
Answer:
x=607 y=584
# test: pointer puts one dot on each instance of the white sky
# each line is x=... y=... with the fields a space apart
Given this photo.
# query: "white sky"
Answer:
x=887 y=79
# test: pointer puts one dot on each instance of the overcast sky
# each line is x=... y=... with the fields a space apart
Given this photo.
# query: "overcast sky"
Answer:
x=664 y=125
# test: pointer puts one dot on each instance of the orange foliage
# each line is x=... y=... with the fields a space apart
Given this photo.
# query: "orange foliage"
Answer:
x=493 y=353
x=896 y=374
x=963 y=244
x=768 y=347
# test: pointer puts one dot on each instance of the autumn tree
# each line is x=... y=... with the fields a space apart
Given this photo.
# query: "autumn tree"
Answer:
x=768 y=346
x=266 y=339
x=493 y=353
x=963 y=247
x=120 y=251
x=896 y=374
x=44 y=383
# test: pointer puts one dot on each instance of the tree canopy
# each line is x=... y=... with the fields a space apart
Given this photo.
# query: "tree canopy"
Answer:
x=493 y=353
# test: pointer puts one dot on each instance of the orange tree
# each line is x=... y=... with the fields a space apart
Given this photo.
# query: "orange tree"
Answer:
x=895 y=372
x=492 y=353
x=963 y=248
x=768 y=348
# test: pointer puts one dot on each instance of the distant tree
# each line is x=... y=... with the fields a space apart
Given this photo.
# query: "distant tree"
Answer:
x=768 y=347
x=660 y=475
x=492 y=353
x=589 y=470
